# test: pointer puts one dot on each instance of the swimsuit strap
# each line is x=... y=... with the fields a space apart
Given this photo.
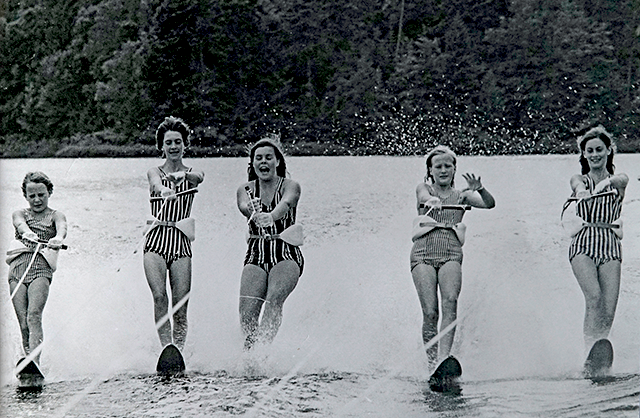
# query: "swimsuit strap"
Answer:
x=278 y=193
x=590 y=182
x=278 y=189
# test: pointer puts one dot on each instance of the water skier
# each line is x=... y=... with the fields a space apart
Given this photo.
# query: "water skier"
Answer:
x=595 y=252
x=436 y=256
x=168 y=243
x=273 y=263
x=31 y=266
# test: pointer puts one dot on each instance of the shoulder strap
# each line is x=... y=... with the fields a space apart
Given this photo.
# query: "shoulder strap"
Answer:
x=280 y=185
x=589 y=182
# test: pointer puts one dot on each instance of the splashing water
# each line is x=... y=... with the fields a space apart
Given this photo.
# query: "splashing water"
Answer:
x=350 y=341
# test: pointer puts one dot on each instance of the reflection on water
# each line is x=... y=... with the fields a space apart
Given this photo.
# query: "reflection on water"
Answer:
x=445 y=402
x=30 y=395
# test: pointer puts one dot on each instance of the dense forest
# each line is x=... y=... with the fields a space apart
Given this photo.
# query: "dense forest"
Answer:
x=96 y=77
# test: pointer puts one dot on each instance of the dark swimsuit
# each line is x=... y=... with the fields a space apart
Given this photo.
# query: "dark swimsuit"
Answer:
x=266 y=252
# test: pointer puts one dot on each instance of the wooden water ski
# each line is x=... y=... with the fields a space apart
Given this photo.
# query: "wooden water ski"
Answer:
x=170 y=362
x=30 y=377
x=599 y=360
x=445 y=377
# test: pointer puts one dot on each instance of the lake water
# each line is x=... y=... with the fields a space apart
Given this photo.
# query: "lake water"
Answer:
x=350 y=343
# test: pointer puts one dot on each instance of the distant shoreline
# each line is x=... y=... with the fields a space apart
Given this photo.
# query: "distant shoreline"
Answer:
x=149 y=151
x=146 y=151
x=143 y=151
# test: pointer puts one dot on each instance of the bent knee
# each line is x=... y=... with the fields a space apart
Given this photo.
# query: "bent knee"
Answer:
x=278 y=297
x=180 y=314
x=431 y=318
x=160 y=297
x=449 y=303
x=23 y=323
x=593 y=298
x=34 y=317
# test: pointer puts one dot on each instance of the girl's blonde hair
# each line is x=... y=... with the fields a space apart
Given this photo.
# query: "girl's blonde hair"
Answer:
x=439 y=150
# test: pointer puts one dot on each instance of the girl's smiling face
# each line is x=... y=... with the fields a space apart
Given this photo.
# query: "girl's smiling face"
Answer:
x=596 y=153
x=442 y=169
x=38 y=196
x=172 y=145
x=265 y=162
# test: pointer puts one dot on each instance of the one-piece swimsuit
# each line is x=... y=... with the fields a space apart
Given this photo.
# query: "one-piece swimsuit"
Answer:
x=440 y=245
x=598 y=243
x=168 y=241
x=266 y=252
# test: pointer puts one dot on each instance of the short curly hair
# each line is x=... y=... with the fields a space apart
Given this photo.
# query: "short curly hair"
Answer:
x=171 y=123
x=36 y=177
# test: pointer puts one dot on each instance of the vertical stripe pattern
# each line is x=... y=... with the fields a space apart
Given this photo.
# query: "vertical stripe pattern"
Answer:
x=169 y=241
x=600 y=244
x=266 y=253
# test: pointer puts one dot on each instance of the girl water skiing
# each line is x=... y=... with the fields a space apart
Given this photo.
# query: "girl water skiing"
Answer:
x=32 y=263
x=436 y=256
x=273 y=263
x=596 y=250
x=168 y=245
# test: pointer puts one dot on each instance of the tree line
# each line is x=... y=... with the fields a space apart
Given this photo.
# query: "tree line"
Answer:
x=95 y=77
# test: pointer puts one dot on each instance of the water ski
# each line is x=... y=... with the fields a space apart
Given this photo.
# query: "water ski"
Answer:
x=445 y=378
x=599 y=360
x=30 y=377
x=170 y=362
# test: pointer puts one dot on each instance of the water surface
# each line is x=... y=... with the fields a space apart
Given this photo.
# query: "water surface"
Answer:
x=350 y=341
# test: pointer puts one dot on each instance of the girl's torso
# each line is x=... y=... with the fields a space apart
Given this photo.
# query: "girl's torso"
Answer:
x=604 y=209
x=448 y=216
x=43 y=225
x=173 y=210
x=279 y=225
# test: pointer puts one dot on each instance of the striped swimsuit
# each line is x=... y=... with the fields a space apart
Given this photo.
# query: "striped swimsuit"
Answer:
x=599 y=244
x=168 y=241
x=440 y=245
x=266 y=253
x=45 y=228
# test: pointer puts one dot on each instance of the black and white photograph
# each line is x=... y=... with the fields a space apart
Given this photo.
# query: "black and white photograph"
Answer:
x=320 y=208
